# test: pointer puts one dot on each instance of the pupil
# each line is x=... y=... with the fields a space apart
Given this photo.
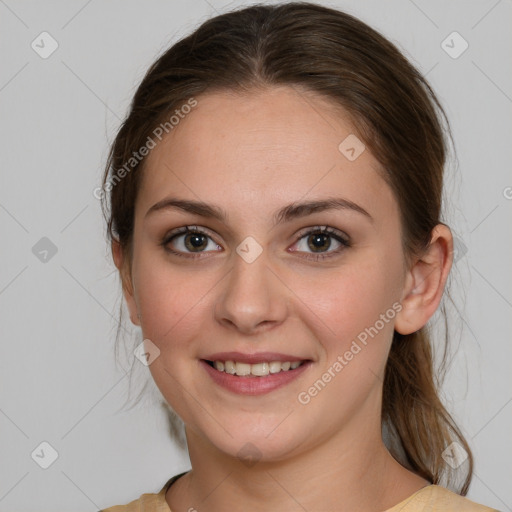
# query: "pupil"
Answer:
x=193 y=241
x=318 y=238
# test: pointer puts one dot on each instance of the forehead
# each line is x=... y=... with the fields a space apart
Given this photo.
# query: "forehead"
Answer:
x=260 y=150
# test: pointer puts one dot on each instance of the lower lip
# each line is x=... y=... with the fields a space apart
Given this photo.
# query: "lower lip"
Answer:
x=253 y=385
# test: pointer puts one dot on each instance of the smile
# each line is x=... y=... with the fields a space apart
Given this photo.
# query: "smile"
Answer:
x=254 y=370
x=256 y=378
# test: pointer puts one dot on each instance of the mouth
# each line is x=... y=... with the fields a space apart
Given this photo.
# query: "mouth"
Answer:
x=254 y=376
x=261 y=369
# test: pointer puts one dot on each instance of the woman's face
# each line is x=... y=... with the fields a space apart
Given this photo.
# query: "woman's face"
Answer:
x=258 y=284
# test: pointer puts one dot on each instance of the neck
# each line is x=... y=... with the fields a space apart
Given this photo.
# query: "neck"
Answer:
x=351 y=471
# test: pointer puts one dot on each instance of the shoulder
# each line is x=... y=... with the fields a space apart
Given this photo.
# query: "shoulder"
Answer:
x=149 y=502
x=435 y=498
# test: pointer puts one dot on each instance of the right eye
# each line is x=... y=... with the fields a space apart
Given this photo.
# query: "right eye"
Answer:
x=188 y=238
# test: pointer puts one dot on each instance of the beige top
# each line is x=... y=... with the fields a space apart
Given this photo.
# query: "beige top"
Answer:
x=432 y=498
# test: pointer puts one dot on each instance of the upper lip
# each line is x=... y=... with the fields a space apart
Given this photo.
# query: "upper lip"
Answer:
x=258 y=357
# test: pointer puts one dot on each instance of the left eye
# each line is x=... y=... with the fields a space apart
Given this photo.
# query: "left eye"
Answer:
x=319 y=240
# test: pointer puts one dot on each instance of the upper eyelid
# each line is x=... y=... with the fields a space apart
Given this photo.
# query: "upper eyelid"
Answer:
x=329 y=230
x=187 y=229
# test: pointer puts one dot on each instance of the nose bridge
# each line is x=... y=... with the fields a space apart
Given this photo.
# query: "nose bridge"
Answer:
x=252 y=295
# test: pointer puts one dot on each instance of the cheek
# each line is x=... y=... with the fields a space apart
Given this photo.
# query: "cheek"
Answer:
x=168 y=297
x=348 y=300
x=358 y=307
x=174 y=304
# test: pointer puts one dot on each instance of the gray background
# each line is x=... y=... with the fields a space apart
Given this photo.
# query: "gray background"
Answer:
x=59 y=379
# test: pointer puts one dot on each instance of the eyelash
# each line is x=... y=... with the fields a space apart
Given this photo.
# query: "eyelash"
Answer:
x=326 y=230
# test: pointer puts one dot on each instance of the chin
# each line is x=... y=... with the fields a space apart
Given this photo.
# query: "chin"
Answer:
x=264 y=443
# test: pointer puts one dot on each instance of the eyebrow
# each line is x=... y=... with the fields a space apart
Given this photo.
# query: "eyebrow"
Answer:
x=285 y=214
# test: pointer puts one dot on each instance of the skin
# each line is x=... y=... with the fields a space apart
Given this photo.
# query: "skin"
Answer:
x=252 y=154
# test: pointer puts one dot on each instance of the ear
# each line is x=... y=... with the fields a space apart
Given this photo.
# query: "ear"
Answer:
x=122 y=264
x=425 y=282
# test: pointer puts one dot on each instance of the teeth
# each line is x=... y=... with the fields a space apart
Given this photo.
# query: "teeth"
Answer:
x=229 y=367
x=275 y=366
x=243 y=368
x=258 y=369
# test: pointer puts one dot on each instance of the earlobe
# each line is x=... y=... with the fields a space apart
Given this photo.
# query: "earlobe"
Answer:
x=425 y=282
x=126 y=281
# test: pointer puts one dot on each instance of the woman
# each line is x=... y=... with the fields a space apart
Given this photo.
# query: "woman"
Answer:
x=274 y=202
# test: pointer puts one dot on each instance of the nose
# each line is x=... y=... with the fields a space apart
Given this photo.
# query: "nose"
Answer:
x=253 y=299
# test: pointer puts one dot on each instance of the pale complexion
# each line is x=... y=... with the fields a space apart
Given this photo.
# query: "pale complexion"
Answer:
x=251 y=155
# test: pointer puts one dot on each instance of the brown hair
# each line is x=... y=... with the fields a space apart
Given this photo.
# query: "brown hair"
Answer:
x=396 y=114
